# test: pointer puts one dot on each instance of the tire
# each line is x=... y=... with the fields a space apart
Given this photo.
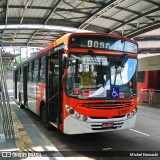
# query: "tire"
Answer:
x=44 y=118
x=20 y=102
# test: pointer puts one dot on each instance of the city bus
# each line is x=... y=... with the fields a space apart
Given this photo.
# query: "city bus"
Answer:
x=81 y=83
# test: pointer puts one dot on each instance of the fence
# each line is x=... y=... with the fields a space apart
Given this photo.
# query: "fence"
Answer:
x=5 y=109
x=149 y=96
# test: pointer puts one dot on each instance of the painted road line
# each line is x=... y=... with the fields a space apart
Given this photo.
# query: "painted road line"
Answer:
x=139 y=132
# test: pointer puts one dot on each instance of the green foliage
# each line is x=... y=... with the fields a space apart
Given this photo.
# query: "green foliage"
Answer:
x=15 y=62
x=7 y=69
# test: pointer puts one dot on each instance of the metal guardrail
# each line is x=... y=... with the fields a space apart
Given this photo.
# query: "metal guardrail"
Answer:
x=5 y=108
x=150 y=96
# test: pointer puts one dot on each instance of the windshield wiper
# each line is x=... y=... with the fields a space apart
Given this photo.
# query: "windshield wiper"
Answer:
x=90 y=52
x=124 y=60
x=119 y=68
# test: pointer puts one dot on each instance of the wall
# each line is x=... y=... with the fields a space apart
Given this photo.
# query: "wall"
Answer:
x=151 y=66
x=144 y=85
x=151 y=80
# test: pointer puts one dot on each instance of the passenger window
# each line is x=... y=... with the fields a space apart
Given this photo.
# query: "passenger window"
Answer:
x=42 y=69
x=42 y=62
x=42 y=75
x=35 y=66
x=30 y=72
x=21 y=74
x=35 y=76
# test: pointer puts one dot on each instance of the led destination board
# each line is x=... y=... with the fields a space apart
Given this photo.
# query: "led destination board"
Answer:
x=101 y=42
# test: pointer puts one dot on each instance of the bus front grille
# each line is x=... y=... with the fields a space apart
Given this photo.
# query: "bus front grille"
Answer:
x=115 y=105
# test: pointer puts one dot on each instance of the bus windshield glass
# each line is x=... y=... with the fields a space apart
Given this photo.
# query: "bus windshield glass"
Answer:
x=101 y=77
x=104 y=43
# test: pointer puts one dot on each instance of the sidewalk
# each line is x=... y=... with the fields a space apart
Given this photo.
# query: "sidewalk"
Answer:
x=29 y=141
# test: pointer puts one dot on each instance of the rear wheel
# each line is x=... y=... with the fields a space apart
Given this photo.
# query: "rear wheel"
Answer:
x=44 y=117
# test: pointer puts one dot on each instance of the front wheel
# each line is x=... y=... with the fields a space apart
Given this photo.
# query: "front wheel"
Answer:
x=44 y=117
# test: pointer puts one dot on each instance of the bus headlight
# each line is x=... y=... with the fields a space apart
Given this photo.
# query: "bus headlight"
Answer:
x=84 y=118
x=128 y=115
x=75 y=114
x=131 y=114
x=71 y=111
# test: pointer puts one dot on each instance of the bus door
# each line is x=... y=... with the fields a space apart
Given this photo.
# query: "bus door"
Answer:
x=54 y=88
x=25 y=77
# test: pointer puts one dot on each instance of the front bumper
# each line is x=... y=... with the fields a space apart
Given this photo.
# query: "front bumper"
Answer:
x=75 y=126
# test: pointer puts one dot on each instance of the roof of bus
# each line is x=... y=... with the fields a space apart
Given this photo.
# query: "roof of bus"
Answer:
x=65 y=38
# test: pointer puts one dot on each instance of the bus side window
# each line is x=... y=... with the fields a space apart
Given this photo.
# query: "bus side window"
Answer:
x=35 y=70
x=42 y=75
x=18 y=75
x=42 y=69
x=35 y=76
x=29 y=73
x=32 y=70
x=30 y=76
x=21 y=74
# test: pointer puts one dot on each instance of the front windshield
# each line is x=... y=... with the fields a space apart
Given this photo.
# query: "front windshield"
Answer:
x=101 y=77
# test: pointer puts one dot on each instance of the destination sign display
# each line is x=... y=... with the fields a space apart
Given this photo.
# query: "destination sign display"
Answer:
x=103 y=42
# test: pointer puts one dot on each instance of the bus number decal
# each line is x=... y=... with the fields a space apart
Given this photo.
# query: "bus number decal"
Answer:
x=89 y=43
x=95 y=44
x=107 y=45
x=101 y=44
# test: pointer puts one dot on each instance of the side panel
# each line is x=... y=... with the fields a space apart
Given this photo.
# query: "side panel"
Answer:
x=32 y=89
x=41 y=96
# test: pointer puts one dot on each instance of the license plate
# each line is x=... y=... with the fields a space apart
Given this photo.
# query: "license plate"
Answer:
x=107 y=124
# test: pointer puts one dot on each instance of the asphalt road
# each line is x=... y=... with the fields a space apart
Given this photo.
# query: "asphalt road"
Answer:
x=144 y=137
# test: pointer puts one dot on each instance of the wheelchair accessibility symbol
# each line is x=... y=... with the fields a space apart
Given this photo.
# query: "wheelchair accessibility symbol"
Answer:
x=115 y=92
